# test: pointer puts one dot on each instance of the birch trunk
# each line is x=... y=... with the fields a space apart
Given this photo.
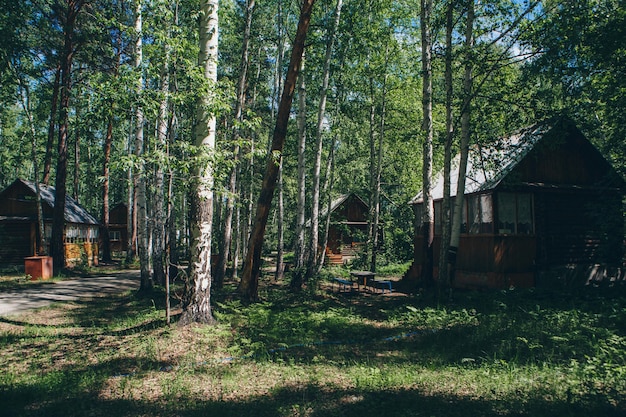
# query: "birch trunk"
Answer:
x=465 y=137
x=300 y=247
x=321 y=113
x=280 y=255
x=223 y=256
x=158 y=256
x=139 y=175
x=428 y=227
x=299 y=250
x=40 y=248
x=443 y=278
x=106 y=239
x=52 y=126
x=197 y=299
x=248 y=286
x=328 y=187
x=379 y=163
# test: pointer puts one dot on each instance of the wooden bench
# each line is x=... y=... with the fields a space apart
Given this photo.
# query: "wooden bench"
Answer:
x=343 y=284
x=382 y=285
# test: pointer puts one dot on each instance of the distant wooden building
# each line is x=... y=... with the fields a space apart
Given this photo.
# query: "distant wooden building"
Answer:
x=348 y=227
x=118 y=228
x=541 y=207
x=18 y=225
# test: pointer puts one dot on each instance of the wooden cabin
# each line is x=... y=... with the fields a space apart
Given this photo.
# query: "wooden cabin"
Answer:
x=348 y=228
x=542 y=207
x=118 y=228
x=18 y=225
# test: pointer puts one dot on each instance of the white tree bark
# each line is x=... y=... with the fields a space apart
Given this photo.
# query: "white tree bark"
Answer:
x=197 y=302
x=444 y=278
x=301 y=196
x=321 y=113
x=455 y=235
x=139 y=178
x=427 y=129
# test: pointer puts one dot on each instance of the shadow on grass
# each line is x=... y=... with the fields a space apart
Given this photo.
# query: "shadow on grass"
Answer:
x=66 y=396
x=500 y=324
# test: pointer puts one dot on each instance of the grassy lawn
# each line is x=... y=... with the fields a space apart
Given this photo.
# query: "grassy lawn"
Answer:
x=505 y=353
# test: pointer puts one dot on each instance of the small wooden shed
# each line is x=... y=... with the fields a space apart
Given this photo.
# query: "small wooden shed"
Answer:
x=541 y=207
x=18 y=225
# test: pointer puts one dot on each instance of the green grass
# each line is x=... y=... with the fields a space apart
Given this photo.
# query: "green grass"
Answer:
x=511 y=353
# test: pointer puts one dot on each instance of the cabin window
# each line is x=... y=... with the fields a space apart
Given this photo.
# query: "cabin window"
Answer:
x=477 y=214
x=515 y=214
x=115 y=235
x=480 y=214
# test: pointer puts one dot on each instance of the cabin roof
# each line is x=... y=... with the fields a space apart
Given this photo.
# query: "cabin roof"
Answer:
x=74 y=213
x=342 y=199
x=488 y=166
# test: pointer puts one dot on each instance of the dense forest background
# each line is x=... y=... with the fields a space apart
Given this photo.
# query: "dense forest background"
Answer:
x=73 y=74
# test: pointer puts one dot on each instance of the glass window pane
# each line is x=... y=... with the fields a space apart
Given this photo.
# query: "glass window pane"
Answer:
x=486 y=213
x=474 y=214
x=506 y=213
x=524 y=214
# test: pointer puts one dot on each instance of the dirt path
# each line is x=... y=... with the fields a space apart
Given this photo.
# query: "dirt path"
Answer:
x=20 y=300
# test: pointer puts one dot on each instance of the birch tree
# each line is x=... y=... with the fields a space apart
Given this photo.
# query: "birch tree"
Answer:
x=300 y=245
x=223 y=256
x=321 y=115
x=197 y=298
x=158 y=256
x=428 y=224
x=139 y=173
x=443 y=278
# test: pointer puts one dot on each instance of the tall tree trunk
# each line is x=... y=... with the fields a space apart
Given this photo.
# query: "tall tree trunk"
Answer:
x=248 y=286
x=52 y=123
x=327 y=192
x=106 y=238
x=379 y=162
x=321 y=113
x=131 y=219
x=39 y=244
x=223 y=256
x=139 y=176
x=443 y=278
x=58 y=216
x=300 y=244
x=465 y=137
x=372 y=168
x=197 y=299
x=428 y=226
x=158 y=255
x=280 y=254
x=77 y=138
x=300 y=248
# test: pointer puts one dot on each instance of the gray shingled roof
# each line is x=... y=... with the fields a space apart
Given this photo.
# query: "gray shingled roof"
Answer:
x=74 y=213
x=488 y=166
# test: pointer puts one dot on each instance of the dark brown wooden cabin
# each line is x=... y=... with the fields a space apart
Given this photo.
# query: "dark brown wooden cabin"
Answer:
x=541 y=208
x=18 y=225
x=348 y=227
x=118 y=228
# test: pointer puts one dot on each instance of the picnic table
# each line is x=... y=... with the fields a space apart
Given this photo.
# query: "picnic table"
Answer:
x=362 y=278
x=368 y=278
